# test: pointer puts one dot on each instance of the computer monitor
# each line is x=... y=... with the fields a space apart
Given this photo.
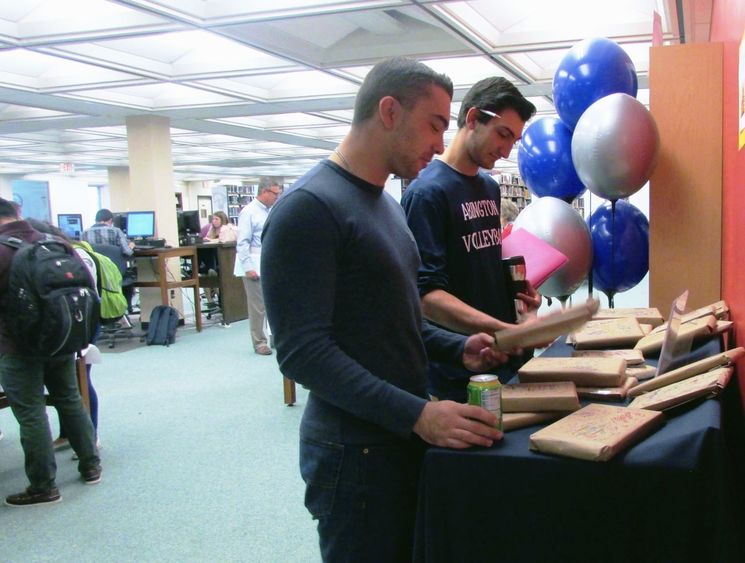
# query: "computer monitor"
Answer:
x=120 y=221
x=71 y=224
x=141 y=224
x=190 y=219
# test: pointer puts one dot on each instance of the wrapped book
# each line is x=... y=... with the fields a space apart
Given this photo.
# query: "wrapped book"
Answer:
x=718 y=309
x=707 y=384
x=538 y=397
x=641 y=372
x=592 y=372
x=624 y=331
x=515 y=420
x=546 y=328
x=689 y=370
x=596 y=432
x=697 y=328
x=632 y=357
x=650 y=316
x=608 y=393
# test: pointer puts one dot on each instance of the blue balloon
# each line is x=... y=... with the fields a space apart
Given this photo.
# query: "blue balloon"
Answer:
x=592 y=69
x=545 y=160
x=620 y=244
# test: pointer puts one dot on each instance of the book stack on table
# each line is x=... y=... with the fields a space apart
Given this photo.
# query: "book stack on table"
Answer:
x=524 y=404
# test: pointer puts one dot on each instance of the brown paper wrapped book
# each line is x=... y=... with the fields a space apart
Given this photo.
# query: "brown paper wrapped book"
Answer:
x=538 y=397
x=515 y=420
x=641 y=372
x=632 y=357
x=707 y=384
x=591 y=372
x=596 y=432
x=607 y=393
x=719 y=309
x=696 y=329
x=649 y=316
x=689 y=370
x=545 y=329
x=624 y=331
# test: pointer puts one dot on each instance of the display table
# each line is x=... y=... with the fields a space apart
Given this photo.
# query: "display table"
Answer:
x=162 y=255
x=672 y=497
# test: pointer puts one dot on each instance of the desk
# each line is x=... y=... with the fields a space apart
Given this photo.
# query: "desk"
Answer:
x=672 y=497
x=164 y=283
x=232 y=295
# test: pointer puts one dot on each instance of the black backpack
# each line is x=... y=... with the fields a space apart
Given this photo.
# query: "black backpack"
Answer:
x=162 y=326
x=50 y=307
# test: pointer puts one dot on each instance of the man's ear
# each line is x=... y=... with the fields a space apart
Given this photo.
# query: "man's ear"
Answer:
x=390 y=111
x=472 y=118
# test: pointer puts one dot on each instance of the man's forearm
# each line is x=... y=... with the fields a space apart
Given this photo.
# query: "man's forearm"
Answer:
x=447 y=310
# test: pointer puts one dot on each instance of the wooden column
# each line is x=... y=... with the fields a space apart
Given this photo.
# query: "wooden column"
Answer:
x=685 y=196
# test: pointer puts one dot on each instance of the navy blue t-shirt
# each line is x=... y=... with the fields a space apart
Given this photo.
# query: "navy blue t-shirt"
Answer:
x=455 y=219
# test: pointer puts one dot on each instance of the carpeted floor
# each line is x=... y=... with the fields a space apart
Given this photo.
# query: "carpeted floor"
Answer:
x=200 y=463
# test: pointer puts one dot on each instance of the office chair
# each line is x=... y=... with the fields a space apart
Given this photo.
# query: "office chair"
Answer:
x=121 y=325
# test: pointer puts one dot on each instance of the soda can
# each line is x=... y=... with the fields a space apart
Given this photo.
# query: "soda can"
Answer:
x=486 y=391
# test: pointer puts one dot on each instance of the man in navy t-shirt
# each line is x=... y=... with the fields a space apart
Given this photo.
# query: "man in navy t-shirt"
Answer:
x=453 y=209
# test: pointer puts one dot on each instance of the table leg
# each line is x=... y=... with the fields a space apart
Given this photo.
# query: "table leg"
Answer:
x=289 y=391
x=82 y=374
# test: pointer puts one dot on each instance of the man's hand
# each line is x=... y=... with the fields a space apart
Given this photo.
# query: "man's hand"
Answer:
x=454 y=425
x=252 y=275
x=531 y=298
x=130 y=244
x=478 y=354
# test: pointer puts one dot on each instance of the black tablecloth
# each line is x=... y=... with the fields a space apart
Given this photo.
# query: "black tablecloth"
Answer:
x=673 y=497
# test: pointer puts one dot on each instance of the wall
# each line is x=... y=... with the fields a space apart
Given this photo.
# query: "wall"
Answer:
x=69 y=194
x=685 y=201
x=728 y=26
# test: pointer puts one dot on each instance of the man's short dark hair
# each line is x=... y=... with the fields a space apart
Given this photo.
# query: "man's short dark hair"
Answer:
x=8 y=209
x=494 y=94
x=405 y=79
x=104 y=215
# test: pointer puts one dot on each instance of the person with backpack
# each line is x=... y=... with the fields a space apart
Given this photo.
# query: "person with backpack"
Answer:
x=26 y=369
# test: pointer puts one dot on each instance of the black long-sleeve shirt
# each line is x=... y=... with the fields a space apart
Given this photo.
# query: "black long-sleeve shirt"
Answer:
x=339 y=269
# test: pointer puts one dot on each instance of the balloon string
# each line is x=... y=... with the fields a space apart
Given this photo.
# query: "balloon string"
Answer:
x=589 y=276
x=612 y=252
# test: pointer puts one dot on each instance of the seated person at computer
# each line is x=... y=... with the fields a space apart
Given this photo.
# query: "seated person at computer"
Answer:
x=104 y=232
x=206 y=228
x=222 y=230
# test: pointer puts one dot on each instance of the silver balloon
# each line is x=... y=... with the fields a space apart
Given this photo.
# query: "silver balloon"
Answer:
x=557 y=223
x=615 y=146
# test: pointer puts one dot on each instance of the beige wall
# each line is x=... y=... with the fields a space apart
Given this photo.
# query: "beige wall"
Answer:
x=686 y=187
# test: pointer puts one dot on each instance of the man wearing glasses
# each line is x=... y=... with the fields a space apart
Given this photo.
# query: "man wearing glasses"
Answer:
x=453 y=209
x=248 y=259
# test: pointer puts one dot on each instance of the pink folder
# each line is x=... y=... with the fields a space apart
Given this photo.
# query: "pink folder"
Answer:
x=541 y=259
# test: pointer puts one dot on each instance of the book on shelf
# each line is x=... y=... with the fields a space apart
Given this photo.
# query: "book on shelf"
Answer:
x=546 y=328
x=515 y=420
x=645 y=315
x=632 y=357
x=707 y=384
x=596 y=432
x=538 y=397
x=695 y=329
x=586 y=372
x=608 y=393
x=722 y=359
x=541 y=259
x=623 y=331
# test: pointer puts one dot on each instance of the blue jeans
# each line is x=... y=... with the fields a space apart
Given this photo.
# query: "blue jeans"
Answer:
x=24 y=379
x=364 y=498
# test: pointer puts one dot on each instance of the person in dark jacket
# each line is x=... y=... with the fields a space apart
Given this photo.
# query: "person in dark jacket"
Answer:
x=24 y=378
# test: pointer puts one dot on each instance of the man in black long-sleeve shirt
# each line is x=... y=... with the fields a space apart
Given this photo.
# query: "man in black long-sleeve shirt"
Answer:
x=339 y=277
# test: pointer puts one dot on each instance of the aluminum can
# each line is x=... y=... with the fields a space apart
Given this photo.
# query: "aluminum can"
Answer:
x=486 y=391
